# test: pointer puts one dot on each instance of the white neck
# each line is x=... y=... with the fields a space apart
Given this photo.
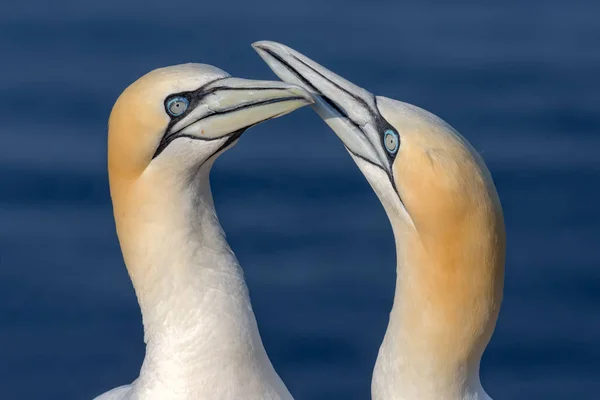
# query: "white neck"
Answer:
x=420 y=357
x=201 y=334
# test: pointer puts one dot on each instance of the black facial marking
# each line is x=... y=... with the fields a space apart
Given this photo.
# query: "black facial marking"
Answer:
x=194 y=98
x=382 y=125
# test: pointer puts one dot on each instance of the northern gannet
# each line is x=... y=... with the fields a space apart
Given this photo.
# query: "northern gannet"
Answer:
x=164 y=133
x=448 y=227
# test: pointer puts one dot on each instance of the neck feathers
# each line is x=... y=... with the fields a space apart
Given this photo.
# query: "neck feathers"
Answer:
x=449 y=287
x=201 y=333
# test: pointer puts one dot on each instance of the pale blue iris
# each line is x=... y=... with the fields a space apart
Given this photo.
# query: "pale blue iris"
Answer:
x=391 y=141
x=177 y=106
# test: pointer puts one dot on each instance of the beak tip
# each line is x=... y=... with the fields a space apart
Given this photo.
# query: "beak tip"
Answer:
x=266 y=45
x=298 y=91
x=264 y=48
x=261 y=44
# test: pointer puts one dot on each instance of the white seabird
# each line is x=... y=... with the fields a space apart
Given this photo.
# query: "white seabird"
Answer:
x=165 y=132
x=448 y=225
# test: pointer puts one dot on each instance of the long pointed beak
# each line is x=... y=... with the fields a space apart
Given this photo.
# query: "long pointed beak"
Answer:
x=349 y=110
x=228 y=106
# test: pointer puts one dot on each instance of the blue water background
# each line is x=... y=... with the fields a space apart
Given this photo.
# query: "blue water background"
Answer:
x=519 y=79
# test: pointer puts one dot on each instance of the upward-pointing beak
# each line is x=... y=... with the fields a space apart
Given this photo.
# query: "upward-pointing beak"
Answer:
x=228 y=106
x=349 y=110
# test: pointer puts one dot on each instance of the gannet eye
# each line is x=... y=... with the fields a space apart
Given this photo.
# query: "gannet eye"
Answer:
x=391 y=141
x=177 y=106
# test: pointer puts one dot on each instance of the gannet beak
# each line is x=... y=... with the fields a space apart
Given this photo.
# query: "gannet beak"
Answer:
x=229 y=106
x=349 y=110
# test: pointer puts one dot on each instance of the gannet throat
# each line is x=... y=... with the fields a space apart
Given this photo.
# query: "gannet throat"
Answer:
x=165 y=132
x=448 y=226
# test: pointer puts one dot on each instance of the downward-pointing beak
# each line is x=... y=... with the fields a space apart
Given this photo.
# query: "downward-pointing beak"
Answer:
x=349 y=110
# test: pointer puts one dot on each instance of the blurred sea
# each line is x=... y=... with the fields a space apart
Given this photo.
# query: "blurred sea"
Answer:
x=519 y=79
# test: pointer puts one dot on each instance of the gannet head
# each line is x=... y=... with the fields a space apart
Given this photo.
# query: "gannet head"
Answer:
x=424 y=171
x=164 y=133
x=178 y=118
x=440 y=199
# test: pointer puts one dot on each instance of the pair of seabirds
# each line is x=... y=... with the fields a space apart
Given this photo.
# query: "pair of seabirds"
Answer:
x=202 y=340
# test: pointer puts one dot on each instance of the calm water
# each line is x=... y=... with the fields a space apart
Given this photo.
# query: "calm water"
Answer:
x=521 y=82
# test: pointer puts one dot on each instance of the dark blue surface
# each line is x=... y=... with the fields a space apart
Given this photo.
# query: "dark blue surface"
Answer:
x=520 y=81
